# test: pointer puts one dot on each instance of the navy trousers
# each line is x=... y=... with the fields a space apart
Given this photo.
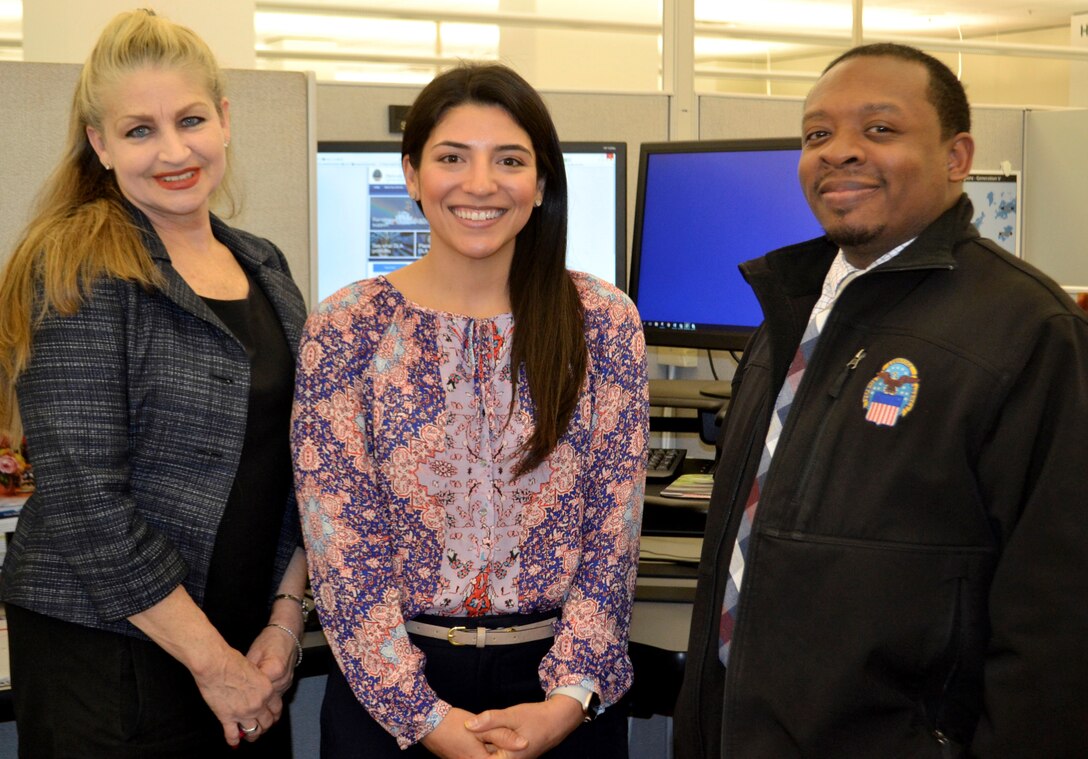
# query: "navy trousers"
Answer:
x=469 y=678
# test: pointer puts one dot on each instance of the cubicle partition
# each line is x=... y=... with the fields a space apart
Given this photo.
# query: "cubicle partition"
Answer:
x=1056 y=189
x=998 y=132
x=33 y=123
x=278 y=117
x=272 y=116
x=271 y=151
x=361 y=112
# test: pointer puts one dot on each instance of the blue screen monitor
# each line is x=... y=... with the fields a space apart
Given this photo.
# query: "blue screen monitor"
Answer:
x=367 y=225
x=701 y=209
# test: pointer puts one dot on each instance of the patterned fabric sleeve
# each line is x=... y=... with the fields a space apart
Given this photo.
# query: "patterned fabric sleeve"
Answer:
x=590 y=648
x=348 y=538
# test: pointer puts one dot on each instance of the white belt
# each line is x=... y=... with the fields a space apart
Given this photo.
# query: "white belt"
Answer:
x=481 y=636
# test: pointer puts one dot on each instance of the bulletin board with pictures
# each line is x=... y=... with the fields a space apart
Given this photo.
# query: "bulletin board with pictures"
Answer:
x=995 y=196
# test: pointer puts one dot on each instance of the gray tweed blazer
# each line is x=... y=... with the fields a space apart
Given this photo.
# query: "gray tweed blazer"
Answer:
x=135 y=413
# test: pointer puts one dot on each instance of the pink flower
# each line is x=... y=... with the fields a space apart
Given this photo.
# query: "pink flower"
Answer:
x=9 y=464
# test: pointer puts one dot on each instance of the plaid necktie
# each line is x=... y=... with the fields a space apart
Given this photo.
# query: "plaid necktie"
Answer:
x=838 y=277
x=778 y=421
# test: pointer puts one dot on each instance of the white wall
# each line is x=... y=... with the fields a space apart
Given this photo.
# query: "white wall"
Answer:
x=63 y=31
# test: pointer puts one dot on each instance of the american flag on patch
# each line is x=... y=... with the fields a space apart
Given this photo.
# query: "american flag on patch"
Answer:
x=884 y=409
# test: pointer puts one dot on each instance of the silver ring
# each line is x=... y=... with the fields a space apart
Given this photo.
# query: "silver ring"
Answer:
x=250 y=730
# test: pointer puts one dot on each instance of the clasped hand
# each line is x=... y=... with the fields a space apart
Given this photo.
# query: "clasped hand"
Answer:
x=241 y=695
x=523 y=731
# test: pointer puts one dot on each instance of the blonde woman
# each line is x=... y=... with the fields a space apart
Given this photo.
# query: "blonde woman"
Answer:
x=153 y=586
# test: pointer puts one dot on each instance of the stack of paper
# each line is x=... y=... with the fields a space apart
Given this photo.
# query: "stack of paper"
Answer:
x=694 y=486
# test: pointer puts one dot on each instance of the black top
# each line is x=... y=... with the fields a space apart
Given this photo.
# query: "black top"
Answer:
x=236 y=599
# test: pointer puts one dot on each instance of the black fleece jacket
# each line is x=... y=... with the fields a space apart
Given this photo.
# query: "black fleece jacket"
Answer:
x=915 y=588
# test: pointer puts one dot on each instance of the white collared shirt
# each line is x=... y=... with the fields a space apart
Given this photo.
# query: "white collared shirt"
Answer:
x=841 y=274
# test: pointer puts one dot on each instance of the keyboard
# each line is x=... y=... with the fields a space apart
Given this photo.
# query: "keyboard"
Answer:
x=664 y=463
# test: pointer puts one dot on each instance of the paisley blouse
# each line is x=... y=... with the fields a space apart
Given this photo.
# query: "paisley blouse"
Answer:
x=405 y=443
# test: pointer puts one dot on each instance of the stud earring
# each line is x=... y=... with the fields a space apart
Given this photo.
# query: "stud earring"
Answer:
x=226 y=144
x=107 y=167
x=538 y=202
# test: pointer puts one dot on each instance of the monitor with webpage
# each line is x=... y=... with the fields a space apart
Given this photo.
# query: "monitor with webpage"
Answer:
x=701 y=209
x=367 y=225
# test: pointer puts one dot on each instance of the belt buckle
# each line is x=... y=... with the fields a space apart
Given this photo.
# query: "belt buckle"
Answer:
x=452 y=633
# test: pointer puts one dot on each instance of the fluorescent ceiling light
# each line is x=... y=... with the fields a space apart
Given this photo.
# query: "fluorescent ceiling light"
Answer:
x=285 y=31
x=831 y=16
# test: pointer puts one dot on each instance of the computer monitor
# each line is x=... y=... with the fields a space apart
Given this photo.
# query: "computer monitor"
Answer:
x=367 y=225
x=701 y=209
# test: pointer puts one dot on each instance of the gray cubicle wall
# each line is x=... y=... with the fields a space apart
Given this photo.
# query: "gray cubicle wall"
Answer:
x=1056 y=183
x=732 y=117
x=998 y=132
x=271 y=154
x=272 y=160
x=361 y=112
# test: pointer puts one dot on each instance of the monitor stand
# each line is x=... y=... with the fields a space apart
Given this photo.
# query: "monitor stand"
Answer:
x=717 y=389
x=696 y=394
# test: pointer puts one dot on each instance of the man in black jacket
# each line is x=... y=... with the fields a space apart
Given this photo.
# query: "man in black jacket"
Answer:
x=895 y=555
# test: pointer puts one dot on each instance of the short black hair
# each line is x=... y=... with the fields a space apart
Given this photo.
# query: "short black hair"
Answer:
x=946 y=92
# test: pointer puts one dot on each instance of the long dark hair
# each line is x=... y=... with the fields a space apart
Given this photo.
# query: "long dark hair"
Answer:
x=549 y=341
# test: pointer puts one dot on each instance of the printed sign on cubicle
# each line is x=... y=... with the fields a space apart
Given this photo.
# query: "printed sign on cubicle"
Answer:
x=995 y=196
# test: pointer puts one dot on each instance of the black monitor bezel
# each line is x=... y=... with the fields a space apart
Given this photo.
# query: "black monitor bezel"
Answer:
x=726 y=337
x=580 y=146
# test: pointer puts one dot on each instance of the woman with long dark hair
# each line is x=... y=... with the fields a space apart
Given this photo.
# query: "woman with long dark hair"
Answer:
x=470 y=439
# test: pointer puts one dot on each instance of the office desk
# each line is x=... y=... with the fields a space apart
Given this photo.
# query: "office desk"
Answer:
x=681 y=517
x=10 y=506
x=660 y=617
x=665 y=591
x=695 y=394
x=704 y=397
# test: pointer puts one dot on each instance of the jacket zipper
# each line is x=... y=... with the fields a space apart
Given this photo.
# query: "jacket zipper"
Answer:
x=833 y=394
x=955 y=646
x=836 y=389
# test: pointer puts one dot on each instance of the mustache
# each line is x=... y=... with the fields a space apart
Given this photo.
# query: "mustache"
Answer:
x=837 y=179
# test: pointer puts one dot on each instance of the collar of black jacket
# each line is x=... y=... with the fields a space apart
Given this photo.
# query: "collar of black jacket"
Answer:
x=800 y=269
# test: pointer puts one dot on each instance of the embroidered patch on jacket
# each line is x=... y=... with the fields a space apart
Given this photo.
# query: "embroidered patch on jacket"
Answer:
x=891 y=394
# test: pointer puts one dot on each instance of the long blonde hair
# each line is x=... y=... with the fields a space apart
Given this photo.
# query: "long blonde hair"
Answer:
x=81 y=230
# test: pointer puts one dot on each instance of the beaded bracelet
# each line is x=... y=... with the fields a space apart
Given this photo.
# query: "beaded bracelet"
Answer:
x=298 y=644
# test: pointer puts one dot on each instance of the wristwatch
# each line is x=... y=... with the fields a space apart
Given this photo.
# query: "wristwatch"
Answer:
x=591 y=706
x=589 y=701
